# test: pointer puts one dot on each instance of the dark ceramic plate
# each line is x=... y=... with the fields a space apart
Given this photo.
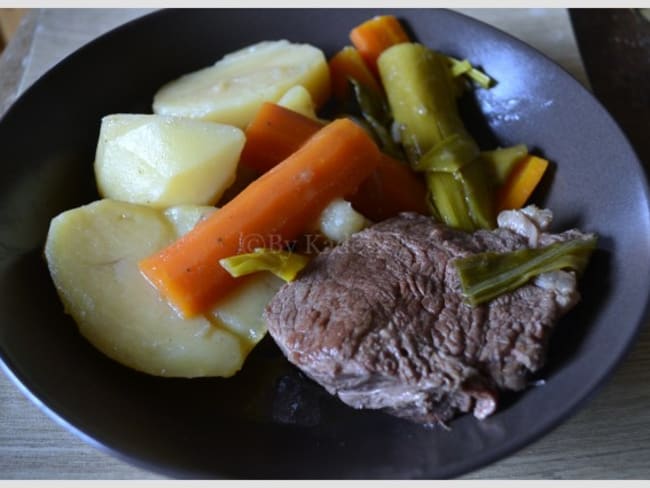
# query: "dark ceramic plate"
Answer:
x=270 y=421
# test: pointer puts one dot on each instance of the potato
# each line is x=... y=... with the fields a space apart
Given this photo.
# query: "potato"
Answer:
x=92 y=253
x=184 y=217
x=232 y=90
x=339 y=220
x=164 y=161
x=241 y=311
x=299 y=100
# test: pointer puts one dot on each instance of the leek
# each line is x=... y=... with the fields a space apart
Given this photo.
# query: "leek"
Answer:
x=448 y=196
x=449 y=155
x=502 y=161
x=374 y=109
x=283 y=264
x=420 y=92
x=478 y=190
x=487 y=275
x=464 y=67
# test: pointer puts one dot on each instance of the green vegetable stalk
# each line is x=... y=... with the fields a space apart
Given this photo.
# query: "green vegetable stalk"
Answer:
x=450 y=155
x=421 y=93
x=283 y=264
x=502 y=161
x=464 y=67
x=448 y=196
x=374 y=110
x=487 y=275
x=478 y=189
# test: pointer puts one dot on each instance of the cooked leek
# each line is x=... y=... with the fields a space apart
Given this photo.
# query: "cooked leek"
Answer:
x=420 y=92
x=487 y=275
x=283 y=264
x=458 y=67
x=421 y=95
x=502 y=161
x=374 y=110
x=464 y=67
x=449 y=155
x=448 y=196
x=472 y=181
x=478 y=189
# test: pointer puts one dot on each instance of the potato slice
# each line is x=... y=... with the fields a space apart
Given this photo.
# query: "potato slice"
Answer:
x=92 y=253
x=184 y=217
x=241 y=311
x=164 y=161
x=232 y=90
x=299 y=100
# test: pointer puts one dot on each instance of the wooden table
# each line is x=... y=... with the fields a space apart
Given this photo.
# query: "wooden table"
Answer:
x=610 y=438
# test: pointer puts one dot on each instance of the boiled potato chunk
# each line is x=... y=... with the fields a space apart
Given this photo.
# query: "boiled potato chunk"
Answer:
x=232 y=90
x=92 y=253
x=241 y=311
x=339 y=220
x=183 y=218
x=163 y=161
x=299 y=100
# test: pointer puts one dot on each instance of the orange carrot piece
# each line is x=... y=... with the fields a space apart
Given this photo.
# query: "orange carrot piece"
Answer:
x=274 y=134
x=521 y=182
x=392 y=188
x=277 y=132
x=375 y=36
x=348 y=63
x=273 y=209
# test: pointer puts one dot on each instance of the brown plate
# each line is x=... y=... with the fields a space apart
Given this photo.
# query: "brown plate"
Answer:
x=269 y=420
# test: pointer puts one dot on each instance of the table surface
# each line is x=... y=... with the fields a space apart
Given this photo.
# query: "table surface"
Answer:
x=610 y=438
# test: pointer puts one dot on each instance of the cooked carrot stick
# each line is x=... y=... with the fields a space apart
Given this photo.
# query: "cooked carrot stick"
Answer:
x=346 y=64
x=375 y=36
x=274 y=134
x=391 y=189
x=273 y=209
x=521 y=182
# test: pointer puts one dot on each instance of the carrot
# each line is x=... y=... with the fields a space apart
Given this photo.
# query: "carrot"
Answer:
x=346 y=64
x=521 y=182
x=273 y=209
x=391 y=189
x=274 y=134
x=375 y=36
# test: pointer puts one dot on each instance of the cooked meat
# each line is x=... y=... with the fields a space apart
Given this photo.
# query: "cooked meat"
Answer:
x=380 y=320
